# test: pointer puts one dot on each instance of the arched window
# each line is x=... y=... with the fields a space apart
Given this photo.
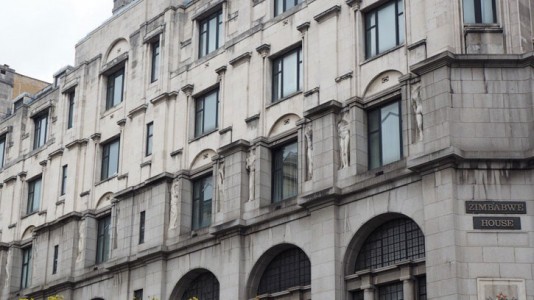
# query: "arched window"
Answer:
x=203 y=287
x=398 y=242
x=291 y=268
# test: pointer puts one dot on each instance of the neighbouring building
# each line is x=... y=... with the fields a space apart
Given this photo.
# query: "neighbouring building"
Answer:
x=279 y=149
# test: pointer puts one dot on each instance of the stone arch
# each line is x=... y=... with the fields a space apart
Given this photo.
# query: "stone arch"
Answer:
x=190 y=278
x=360 y=237
x=381 y=82
x=117 y=48
x=104 y=201
x=202 y=159
x=284 y=123
x=263 y=263
x=28 y=233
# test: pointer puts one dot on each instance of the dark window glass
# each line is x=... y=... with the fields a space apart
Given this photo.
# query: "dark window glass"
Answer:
x=64 y=180
x=41 y=127
x=385 y=143
x=138 y=295
x=285 y=170
x=26 y=271
x=291 y=268
x=18 y=104
x=34 y=195
x=103 y=239
x=282 y=5
x=211 y=36
x=110 y=159
x=394 y=241
x=287 y=74
x=480 y=11
x=115 y=89
x=54 y=262
x=384 y=28
x=358 y=295
x=202 y=195
x=149 y=137
x=2 y=149
x=203 y=287
x=142 y=227
x=421 y=287
x=390 y=292
x=154 y=71
x=70 y=117
x=206 y=113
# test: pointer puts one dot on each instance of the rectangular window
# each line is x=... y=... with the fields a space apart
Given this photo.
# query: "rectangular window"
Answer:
x=285 y=170
x=138 y=295
x=40 y=130
x=281 y=6
x=115 y=89
x=56 y=256
x=384 y=132
x=2 y=149
x=70 y=117
x=287 y=74
x=384 y=28
x=149 y=137
x=26 y=271
x=421 y=287
x=480 y=11
x=391 y=292
x=154 y=70
x=142 y=227
x=103 y=239
x=110 y=159
x=206 y=113
x=202 y=195
x=34 y=195
x=211 y=36
x=63 y=180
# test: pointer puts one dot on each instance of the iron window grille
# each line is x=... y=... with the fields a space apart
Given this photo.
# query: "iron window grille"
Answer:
x=205 y=287
x=115 y=88
x=480 y=11
x=103 y=239
x=281 y=6
x=385 y=136
x=285 y=172
x=211 y=35
x=384 y=28
x=287 y=75
x=291 y=268
x=110 y=159
x=34 y=195
x=202 y=198
x=40 y=132
x=206 y=113
x=26 y=267
x=154 y=70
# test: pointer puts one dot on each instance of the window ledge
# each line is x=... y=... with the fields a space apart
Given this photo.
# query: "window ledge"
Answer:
x=203 y=135
x=29 y=215
x=483 y=28
x=284 y=99
x=106 y=180
x=111 y=110
x=382 y=54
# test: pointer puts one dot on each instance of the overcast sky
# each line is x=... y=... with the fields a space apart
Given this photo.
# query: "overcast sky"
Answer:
x=37 y=37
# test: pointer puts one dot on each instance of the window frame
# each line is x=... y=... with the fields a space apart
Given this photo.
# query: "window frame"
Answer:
x=106 y=158
x=70 y=113
x=478 y=17
x=202 y=111
x=110 y=88
x=155 y=48
x=3 y=141
x=367 y=28
x=34 y=198
x=142 y=220
x=278 y=175
x=103 y=239
x=199 y=184
x=370 y=153
x=55 y=259
x=40 y=138
x=26 y=270
x=284 y=6
x=138 y=294
x=277 y=74
x=204 y=48
x=149 y=141
x=64 y=175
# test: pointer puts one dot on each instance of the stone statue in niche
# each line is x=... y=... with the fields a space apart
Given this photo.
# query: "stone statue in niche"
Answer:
x=251 y=167
x=8 y=268
x=417 y=105
x=344 y=142
x=175 y=198
x=81 y=240
x=220 y=185
x=308 y=142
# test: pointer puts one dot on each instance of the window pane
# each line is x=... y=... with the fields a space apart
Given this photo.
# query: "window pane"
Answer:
x=113 y=158
x=469 y=11
x=203 y=38
x=487 y=11
x=277 y=79
x=220 y=30
x=279 y=7
x=2 y=150
x=374 y=150
x=212 y=38
x=290 y=66
x=400 y=21
x=36 y=194
x=117 y=93
x=290 y=4
x=290 y=169
x=386 y=28
x=390 y=133
x=370 y=39
x=210 y=112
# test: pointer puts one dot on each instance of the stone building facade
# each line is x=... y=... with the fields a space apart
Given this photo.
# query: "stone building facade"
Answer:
x=311 y=149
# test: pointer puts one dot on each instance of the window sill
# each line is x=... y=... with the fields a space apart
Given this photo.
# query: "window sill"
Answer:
x=106 y=180
x=111 y=110
x=483 y=28
x=379 y=55
x=29 y=215
x=284 y=99
x=203 y=135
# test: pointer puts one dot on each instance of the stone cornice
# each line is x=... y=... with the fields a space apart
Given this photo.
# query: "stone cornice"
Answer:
x=327 y=13
x=241 y=58
x=239 y=145
x=331 y=106
x=153 y=180
x=72 y=216
x=139 y=109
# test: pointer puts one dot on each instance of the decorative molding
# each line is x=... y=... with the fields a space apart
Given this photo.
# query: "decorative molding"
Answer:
x=153 y=35
x=264 y=50
x=303 y=27
x=43 y=163
x=252 y=118
x=86 y=193
x=327 y=13
x=233 y=147
x=177 y=152
x=347 y=75
x=245 y=56
x=146 y=163
x=185 y=43
x=416 y=44
x=164 y=96
x=115 y=63
x=331 y=106
x=96 y=137
x=225 y=130
x=76 y=142
x=56 y=153
x=139 y=109
x=122 y=176
x=311 y=91
x=221 y=70
x=121 y=122
x=188 y=89
x=22 y=174
x=10 y=178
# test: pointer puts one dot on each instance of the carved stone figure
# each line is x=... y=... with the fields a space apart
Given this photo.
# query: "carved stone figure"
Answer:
x=417 y=105
x=175 y=198
x=220 y=185
x=251 y=167
x=81 y=241
x=344 y=141
x=308 y=140
x=8 y=268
